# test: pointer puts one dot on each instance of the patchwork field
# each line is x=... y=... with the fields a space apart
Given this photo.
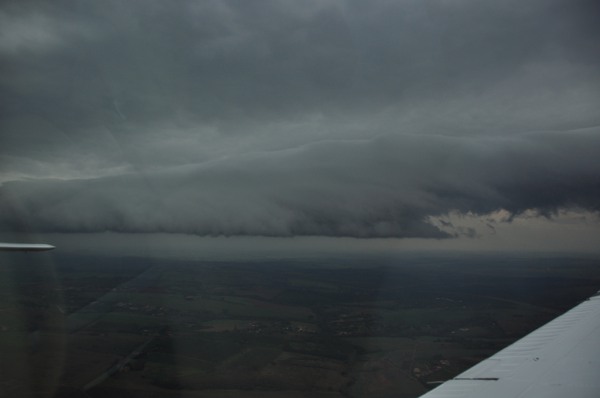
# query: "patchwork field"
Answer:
x=344 y=328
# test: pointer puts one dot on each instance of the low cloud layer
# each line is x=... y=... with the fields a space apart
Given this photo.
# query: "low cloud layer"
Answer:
x=384 y=187
x=287 y=118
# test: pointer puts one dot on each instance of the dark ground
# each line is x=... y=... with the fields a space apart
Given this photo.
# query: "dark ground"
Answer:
x=374 y=326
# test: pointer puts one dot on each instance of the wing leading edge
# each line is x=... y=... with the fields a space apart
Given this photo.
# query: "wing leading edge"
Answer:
x=25 y=247
x=560 y=359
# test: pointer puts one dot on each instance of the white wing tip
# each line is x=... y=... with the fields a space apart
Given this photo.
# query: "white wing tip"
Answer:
x=25 y=247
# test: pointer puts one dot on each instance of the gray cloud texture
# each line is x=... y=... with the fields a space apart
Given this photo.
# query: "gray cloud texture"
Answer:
x=384 y=187
x=280 y=118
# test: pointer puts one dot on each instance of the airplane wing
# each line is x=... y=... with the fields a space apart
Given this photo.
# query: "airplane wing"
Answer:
x=25 y=247
x=560 y=359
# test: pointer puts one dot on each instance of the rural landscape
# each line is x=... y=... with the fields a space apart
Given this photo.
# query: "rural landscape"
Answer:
x=303 y=199
x=90 y=326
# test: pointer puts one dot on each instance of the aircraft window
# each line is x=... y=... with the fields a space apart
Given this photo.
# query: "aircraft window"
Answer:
x=318 y=198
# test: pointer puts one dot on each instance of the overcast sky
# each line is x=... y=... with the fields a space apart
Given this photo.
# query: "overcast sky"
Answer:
x=429 y=119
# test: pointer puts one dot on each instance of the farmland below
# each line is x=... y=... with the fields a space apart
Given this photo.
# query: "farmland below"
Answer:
x=83 y=326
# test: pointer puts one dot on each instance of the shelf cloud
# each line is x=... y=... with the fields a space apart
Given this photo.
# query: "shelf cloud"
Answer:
x=328 y=118
x=383 y=187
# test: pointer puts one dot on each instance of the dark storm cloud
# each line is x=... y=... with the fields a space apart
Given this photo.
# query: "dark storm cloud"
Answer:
x=377 y=188
x=92 y=63
x=322 y=117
